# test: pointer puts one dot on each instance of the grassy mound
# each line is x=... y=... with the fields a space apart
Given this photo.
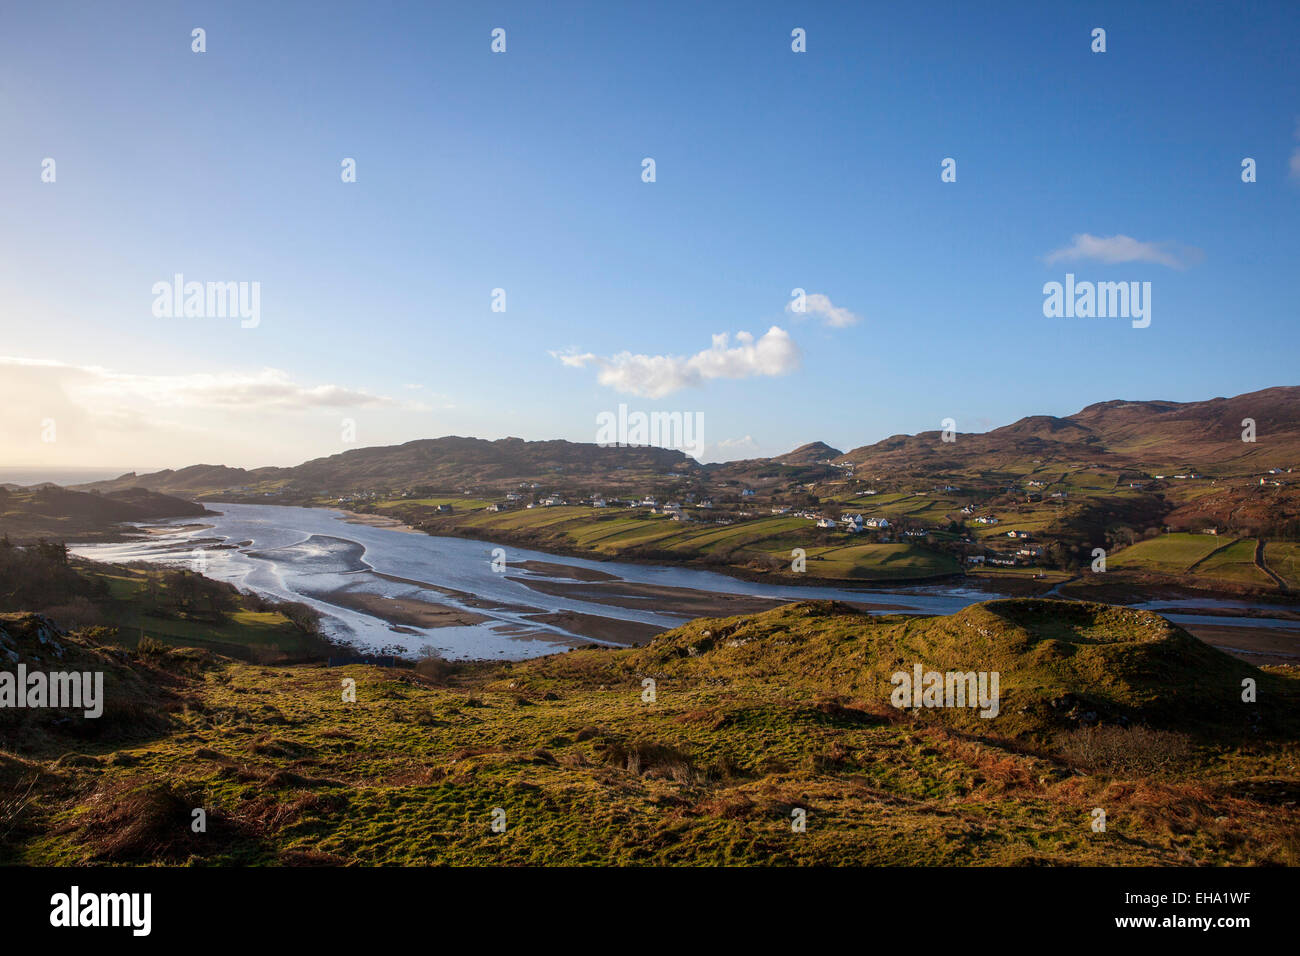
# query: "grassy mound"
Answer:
x=1061 y=664
x=141 y=688
x=755 y=722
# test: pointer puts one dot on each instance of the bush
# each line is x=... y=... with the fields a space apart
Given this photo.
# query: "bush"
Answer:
x=1117 y=750
x=433 y=667
x=150 y=648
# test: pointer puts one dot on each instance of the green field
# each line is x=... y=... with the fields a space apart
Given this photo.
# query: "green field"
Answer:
x=615 y=532
x=877 y=561
x=240 y=632
x=1234 y=562
x=1284 y=558
x=1167 y=554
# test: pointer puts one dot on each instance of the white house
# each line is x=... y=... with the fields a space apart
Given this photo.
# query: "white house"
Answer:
x=851 y=523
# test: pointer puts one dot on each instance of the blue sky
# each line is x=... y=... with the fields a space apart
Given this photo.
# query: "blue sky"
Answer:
x=775 y=170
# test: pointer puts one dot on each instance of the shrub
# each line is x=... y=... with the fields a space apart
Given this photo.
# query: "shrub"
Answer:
x=1119 y=750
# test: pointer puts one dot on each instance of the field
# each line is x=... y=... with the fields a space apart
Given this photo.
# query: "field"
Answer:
x=139 y=604
x=634 y=533
x=1283 y=557
x=1166 y=554
x=758 y=725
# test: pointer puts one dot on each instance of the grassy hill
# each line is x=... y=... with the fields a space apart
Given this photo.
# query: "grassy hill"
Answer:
x=1145 y=434
x=52 y=512
x=753 y=720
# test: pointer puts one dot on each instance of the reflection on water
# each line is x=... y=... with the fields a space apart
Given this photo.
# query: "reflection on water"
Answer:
x=314 y=555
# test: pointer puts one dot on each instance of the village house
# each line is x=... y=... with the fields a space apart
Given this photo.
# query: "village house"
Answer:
x=851 y=523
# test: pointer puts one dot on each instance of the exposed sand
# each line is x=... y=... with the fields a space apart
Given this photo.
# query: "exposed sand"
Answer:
x=379 y=521
x=161 y=529
x=606 y=629
x=566 y=571
x=1258 y=645
x=414 y=612
x=666 y=599
x=464 y=597
x=411 y=612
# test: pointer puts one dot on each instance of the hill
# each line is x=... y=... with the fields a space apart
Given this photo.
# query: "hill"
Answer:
x=1141 y=435
x=1122 y=436
x=810 y=454
x=705 y=747
x=53 y=512
x=437 y=462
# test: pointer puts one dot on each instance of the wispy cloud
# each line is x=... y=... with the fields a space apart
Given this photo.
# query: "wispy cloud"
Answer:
x=266 y=388
x=653 y=376
x=816 y=304
x=1116 y=249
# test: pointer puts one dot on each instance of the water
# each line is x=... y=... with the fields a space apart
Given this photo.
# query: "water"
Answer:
x=37 y=475
x=307 y=554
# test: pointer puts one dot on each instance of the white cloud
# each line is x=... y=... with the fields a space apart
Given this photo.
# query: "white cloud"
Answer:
x=57 y=413
x=1116 y=249
x=653 y=376
x=832 y=315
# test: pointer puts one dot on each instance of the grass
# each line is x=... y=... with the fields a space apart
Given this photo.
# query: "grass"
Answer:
x=754 y=717
x=137 y=607
x=625 y=533
x=879 y=562
x=1166 y=554
x=1234 y=562
x=1283 y=557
